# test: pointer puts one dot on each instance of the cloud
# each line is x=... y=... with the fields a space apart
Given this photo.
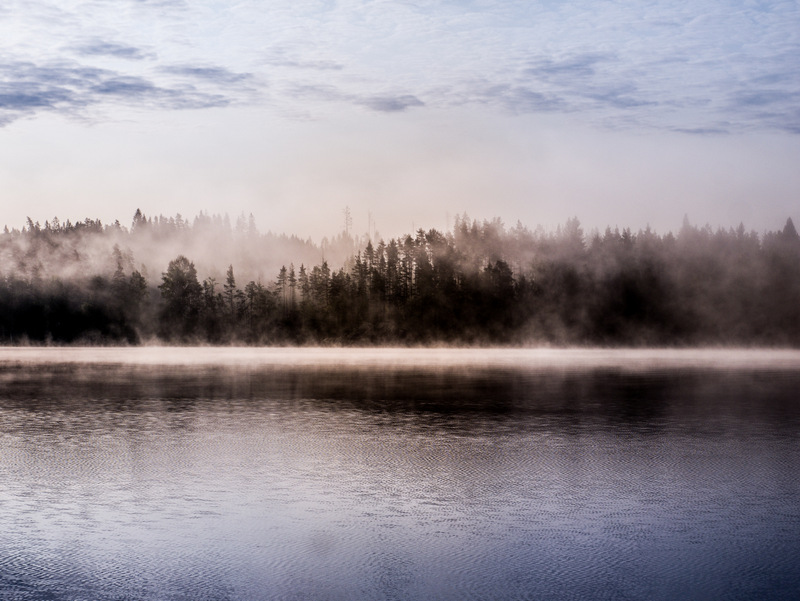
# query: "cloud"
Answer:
x=23 y=100
x=701 y=131
x=325 y=93
x=218 y=75
x=671 y=66
x=760 y=98
x=25 y=74
x=618 y=97
x=384 y=103
x=162 y=3
x=111 y=49
x=567 y=69
x=27 y=88
x=390 y=104
x=138 y=90
x=126 y=86
x=69 y=88
x=572 y=80
x=513 y=98
x=315 y=65
x=774 y=104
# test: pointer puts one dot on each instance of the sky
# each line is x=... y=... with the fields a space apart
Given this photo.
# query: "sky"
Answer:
x=623 y=114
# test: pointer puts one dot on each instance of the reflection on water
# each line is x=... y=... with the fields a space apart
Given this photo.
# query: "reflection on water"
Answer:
x=308 y=480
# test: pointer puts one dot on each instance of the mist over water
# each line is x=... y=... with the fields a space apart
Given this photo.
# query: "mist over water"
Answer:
x=389 y=359
x=398 y=474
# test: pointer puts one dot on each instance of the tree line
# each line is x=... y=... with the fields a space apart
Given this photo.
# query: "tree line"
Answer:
x=481 y=283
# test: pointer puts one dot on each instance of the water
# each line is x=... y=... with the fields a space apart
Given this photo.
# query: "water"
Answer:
x=167 y=474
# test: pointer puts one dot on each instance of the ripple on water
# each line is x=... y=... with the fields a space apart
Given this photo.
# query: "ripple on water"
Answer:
x=281 y=483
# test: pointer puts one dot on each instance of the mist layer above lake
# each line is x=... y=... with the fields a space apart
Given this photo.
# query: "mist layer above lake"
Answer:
x=390 y=358
x=175 y=473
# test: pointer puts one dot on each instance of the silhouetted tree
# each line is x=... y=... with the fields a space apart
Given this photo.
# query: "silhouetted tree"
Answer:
x=182 y=300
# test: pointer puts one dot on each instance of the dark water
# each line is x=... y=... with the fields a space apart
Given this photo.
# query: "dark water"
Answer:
x=317 y=482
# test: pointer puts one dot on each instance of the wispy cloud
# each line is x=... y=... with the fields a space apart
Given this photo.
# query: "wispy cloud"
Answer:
x=279 y=57
x=517 y=98
x=566 y=69
x=217 y=75
x=70 y=88
x=702 y=131
x=676 y=66
x=142 y=92
x=316 y=65
x=162 y=3
x=111 y=49
x=384 y=103
x=390 y=104
x=764 y=97
x=623 y=96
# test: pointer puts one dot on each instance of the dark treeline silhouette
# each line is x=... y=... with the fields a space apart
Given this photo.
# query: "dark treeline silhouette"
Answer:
x=481 y=283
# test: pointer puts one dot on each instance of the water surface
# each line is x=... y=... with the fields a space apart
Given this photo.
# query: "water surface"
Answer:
x=385 y=474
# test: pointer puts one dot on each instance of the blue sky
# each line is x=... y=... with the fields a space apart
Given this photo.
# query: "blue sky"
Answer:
x=619 y=113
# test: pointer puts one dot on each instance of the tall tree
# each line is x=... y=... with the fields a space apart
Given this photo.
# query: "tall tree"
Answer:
x=229 y=294
x=182 y=295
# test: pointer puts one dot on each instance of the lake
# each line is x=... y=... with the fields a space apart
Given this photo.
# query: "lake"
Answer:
x=372 y=474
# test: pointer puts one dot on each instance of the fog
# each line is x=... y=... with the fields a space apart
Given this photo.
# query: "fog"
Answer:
x=534 y=359
x=208 y=281
x=214 y=242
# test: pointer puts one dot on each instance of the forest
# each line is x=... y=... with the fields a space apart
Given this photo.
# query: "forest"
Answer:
x=169 y=280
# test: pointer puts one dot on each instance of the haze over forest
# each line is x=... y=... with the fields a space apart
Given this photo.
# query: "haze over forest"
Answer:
x=619 y=113
x=211 y=281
